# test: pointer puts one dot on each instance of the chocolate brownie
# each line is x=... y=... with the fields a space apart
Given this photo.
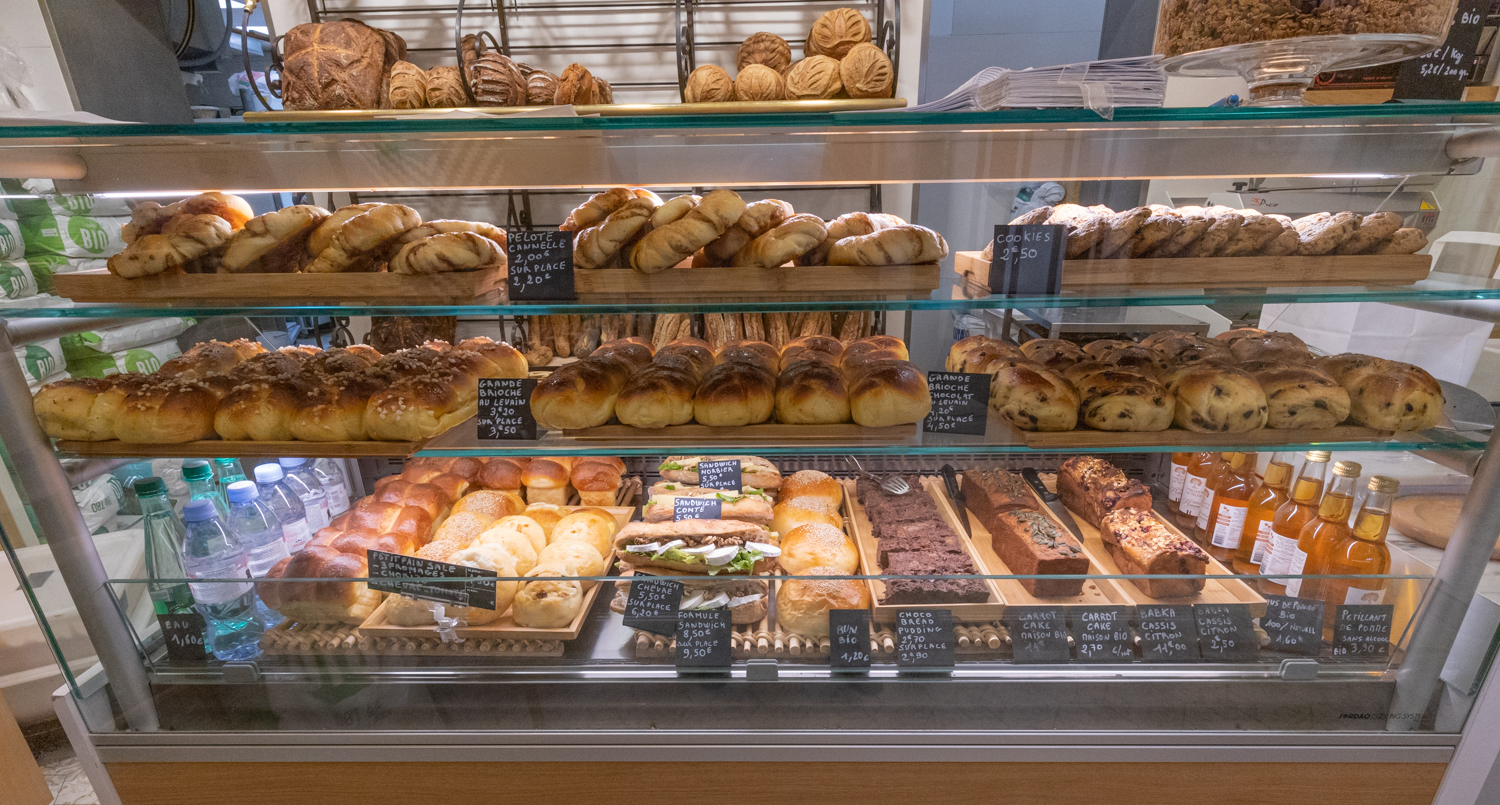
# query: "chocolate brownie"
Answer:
x=937 y=591
x=935 y=543
x=911 y=563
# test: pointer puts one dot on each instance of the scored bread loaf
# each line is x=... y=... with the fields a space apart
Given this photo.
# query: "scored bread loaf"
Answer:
x=1092 y=488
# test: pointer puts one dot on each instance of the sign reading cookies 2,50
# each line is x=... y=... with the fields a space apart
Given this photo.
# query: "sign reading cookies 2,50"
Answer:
x=540 y=266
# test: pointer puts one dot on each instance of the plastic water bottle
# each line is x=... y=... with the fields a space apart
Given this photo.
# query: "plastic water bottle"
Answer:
x=284 y=502
x=200 y=482
x=257 y=528
x=228 y=471
x=335 y=487
x=302 y=482
x=210 y=551
x=164 y=537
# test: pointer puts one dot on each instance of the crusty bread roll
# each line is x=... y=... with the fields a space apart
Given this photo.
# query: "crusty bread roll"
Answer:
x=580 y=394
x=548 y=603
x=1032 y=398
x=1217 y=399
x=656 y=397
x=889 y=393
x=811 y=393
x=802 y=605
x=597 y=482
x=818 y=545
x=327 y=600
x=733 y=394
x=1299 y=396
x=493 y=503
x=503 y=472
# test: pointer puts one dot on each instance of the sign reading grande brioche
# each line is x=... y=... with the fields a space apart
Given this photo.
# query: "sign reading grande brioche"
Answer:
x=505 y=409
x=960 y=402
x=387 y=568
x=1028 y=259
x=540 y=266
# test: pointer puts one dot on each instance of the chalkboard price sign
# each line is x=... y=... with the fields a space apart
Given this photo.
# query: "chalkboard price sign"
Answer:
x=1442 y=74
x=1102 y=634
x=720 y=474
x=696 y=508
x=652 y=605
x=850 y=632
x=960 y=402
x=184 y=635
x=1028 y=259
x=1226 y=633
x=1037 y=634
x=924 y=639
x=540 y=266
x=1295 y=625
x=703 y=638
x=505 y=409
x=1168 y=633
x=385 y=568
x=1363 y=631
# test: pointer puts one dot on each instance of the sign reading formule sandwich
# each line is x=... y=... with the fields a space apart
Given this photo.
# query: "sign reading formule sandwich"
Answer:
x=540 y=266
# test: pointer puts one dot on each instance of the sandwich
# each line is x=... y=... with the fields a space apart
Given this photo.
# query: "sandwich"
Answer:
x=709 y=547
x=748 y=600
x=676 y=489
x=754 y=470
x=732 y=506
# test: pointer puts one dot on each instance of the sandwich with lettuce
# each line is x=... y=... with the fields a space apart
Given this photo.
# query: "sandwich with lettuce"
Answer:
x=708 y=547
x=754 y=470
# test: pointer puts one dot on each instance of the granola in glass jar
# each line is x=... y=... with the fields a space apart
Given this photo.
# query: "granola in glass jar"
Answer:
x=1187 y=26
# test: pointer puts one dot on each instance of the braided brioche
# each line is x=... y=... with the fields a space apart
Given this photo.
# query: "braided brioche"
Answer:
x=365 y=240
x=671 y=243
x=781 y=245
x=907 y=244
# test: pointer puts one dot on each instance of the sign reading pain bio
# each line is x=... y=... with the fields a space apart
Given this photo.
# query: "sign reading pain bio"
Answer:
x=539 y=266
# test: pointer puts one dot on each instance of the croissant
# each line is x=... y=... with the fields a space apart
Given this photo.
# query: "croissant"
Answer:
x=674 y=242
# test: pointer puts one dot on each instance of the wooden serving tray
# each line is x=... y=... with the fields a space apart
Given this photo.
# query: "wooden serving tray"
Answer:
x=1225 y=272
x=1096 y=439
x=1096 y=592
x=458 y=287
x=603 y=110
x=859 y=528
x=757 y=284
x=770 y=431
x=215 y=448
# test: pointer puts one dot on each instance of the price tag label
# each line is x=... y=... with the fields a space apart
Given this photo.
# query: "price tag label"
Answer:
x=960 y=403
x=697 y=509
x=652 y=605
x=1363 y=631
x=1028 y=259
x=1102 y=634
x=184 y=635
x=703 y=638
x=924 y=639
x=1168 y=633
x=386 y=568
x=1226 y=633
x=849 y=630
x=1295 y=625
x=1442 y=74
x=1037 y=634
x=540 y=265
x=505 y=409
x=720 y=474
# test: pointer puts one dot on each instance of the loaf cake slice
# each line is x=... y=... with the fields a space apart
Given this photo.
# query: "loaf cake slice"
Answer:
x=1092 y=488
x=1143 y=545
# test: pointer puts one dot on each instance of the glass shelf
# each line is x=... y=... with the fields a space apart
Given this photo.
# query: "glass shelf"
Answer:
x=747 y=150
x=1439 y=287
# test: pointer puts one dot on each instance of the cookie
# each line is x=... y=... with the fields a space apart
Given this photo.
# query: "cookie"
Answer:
x=1321 y=235
x=1404 y=241
x=1122 y=227
x=1085 y=227
x=1287 y=242
x=1254 y=234
x=1219 y=233
x=1193 y=227
x=1158 y=229
x=1372 y=229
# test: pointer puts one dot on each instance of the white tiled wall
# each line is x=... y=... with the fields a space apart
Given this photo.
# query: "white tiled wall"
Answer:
x=23 y=26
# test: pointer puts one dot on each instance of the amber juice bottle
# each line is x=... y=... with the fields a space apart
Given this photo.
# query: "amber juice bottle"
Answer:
x=1329 y=528
x=1194 y=482
x=1362 y=553
x=1175 y=481
x=1216 y=472
x=1231 y=505
x=1299 y=509
x=1264 y=501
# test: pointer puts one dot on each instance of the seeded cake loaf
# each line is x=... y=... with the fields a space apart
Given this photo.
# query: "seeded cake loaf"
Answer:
x=1092 y=488
x=991 y=493
x=1030 y=543
x=1143 y=545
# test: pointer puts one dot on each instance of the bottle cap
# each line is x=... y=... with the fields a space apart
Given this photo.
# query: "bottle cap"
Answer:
x=242 y=491
x=1378 y=483
x=292 y=462
x=1347 y=469
x=153 y=485
x=225 y=461
x=196 y=469
x=199 y=510
x=268 y=473
x=1319 y=455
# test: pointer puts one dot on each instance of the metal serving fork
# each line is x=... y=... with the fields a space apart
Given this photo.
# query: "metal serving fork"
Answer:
x=894 y=484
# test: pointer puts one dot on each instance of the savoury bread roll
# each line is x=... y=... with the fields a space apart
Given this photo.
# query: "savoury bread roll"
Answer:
x=1218 y=399
x=551 y=602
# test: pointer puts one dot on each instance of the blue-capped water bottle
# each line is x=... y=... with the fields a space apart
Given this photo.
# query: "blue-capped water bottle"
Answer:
x=274 y=492
x=304 y=484
x=256 y=527
x=226 y=597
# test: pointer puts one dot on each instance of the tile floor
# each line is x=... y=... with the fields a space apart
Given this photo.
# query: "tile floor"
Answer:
x=60 y=766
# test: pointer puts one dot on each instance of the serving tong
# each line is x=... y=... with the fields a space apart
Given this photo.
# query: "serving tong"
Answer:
x=892 y=484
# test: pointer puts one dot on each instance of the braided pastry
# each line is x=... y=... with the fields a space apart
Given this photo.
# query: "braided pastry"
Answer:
x=669 y=245
x=847 y=226
x=442 y=225
x=275 y=242
x=899 y=245
x=597 y=208
x=759 y=218
x=365 y=239
x=150 y=218
x=322 y=237
x=599 y=245
x=782 y=244
x=449 y=251
x=672 y=210
x=183 y=240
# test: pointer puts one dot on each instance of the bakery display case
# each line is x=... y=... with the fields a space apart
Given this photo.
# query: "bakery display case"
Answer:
x=790 y=525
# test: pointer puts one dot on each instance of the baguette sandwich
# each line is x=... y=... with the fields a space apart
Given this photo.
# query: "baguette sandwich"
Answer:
x=711 y=547
x=732 y=506
x=681 y=490
x=754 y=471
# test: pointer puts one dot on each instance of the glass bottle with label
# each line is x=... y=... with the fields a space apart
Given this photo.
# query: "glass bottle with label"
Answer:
x=1267 y=498
x=1193 y=484
x=1175 y=481
x=1361 y=553
x=1329 y=529
x=1299 y=509
x=1217 y=472
x=1231 y=506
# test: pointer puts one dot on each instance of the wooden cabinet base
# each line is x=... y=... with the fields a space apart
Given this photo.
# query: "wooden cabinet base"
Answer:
x=753 y=783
